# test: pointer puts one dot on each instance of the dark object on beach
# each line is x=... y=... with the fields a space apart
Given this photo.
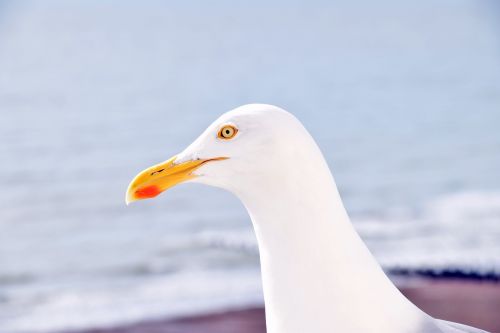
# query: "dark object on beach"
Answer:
x=447 y=273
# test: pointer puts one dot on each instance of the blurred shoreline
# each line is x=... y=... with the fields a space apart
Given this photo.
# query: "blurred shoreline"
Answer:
x=473 y=302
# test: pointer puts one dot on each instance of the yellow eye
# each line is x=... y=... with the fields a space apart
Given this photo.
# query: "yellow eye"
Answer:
x=227 y=132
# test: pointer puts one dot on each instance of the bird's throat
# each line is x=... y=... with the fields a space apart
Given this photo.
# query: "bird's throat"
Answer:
x=318 y=275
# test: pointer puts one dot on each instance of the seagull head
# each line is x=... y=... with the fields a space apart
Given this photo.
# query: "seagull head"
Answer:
x=242 y=149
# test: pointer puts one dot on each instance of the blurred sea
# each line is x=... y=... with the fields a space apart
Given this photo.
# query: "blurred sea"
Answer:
x=402 y=97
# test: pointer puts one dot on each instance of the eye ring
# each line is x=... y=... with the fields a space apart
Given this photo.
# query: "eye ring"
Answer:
x=227 y=132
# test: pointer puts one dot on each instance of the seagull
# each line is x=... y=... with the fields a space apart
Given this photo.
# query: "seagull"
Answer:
x=318 y=275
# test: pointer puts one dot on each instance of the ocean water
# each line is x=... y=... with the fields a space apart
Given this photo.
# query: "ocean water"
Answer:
x=403 y=99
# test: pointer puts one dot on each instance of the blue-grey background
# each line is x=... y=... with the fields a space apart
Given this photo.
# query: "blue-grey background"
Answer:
x=402 y=97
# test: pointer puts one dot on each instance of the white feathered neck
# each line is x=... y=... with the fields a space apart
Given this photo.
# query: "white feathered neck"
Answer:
x=318 y=275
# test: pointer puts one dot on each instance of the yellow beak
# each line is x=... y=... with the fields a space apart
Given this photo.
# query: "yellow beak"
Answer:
x=158 y=178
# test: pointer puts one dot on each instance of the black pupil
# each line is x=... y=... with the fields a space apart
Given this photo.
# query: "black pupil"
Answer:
x=227 y=132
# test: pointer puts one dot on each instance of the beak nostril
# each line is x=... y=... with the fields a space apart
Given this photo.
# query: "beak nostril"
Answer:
x=157 y=171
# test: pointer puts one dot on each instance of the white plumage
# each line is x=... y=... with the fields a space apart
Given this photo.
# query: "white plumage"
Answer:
x=317 y=273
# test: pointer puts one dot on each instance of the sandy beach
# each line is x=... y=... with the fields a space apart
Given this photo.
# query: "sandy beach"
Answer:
x=474 y=303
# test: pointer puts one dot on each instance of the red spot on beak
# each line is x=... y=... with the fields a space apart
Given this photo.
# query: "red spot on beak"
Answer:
x=147 y=192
